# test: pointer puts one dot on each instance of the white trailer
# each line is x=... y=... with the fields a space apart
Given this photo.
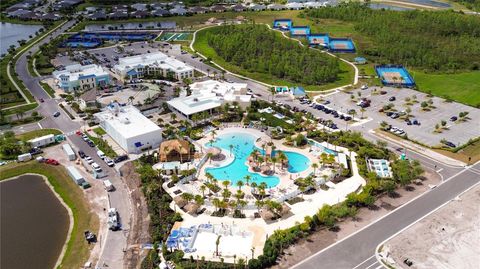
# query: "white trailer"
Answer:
x=42 y=141
x=75 y=175
x=69 y=151
x=24 y=157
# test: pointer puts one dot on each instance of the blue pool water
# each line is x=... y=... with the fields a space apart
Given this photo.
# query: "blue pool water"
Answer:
x=405 y=76
x=243 y=145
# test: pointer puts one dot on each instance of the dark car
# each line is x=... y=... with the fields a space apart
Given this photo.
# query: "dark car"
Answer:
x=326 y=102
x=453 y=118
x=120 y=158
x=41 y=100
x=35 y=151
x=391 y=99
x=90 y=143
x=450 y=144
x=56 y=114
x=81 y=154
x=416 y=122
x=389 y=113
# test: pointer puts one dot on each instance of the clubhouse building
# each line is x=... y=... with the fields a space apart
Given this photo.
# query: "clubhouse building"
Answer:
x=78 y=77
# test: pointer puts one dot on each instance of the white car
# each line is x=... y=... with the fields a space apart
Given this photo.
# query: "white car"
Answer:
x=96 y=167
x=89 y=159
x=113 y=223
x=109 y=161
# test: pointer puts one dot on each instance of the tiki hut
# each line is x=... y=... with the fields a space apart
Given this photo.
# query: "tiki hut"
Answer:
x=285 y=210
x=265 y=169
x=191 y=208
x=267 y=214
x=180 y=201
x=176 y=150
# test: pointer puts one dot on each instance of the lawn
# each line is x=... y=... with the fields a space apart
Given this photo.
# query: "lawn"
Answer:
x=103 y=146
x=78 y=250
x=48 y=89
x=99 y=131
x=201 y=45
x=38 y=133
x=461 y=87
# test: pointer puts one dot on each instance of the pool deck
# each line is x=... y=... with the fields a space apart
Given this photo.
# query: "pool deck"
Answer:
x=259 y=227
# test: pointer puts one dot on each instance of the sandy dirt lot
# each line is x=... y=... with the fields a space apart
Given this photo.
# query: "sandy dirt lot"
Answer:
x=323 y=238
x=448 y=238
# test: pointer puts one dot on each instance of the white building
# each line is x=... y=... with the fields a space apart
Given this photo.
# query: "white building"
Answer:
x=81 y=77
x=129 y=128
x=209 y=95
x=155 y=63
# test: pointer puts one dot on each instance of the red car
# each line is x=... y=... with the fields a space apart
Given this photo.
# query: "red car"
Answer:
x=78 y=133
x=52 y=161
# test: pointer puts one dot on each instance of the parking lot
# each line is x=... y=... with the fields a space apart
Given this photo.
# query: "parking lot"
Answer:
x=457 y=132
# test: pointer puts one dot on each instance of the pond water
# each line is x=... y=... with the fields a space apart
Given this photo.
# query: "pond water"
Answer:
x=10 y=33
x=34 y=224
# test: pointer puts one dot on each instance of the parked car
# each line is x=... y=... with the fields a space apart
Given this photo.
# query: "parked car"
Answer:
x=41 y=100
x=391 y=99
x=88 y=159
x=56 y=114
x=96 y=167
x=90 y=143
x=453 y=118
x=109 y=161
x=120 y=158
x=81 y=154
x=448 y=143
x=51 y=161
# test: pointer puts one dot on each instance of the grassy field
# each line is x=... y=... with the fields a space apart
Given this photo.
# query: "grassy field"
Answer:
x=78 y=250
x=48 y=89
x=201 y=45
x=103 y=146
x=462 y=87
x=99 y=131
x=38 y=133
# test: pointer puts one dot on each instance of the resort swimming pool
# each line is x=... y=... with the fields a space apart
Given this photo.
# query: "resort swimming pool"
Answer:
x=243 y=144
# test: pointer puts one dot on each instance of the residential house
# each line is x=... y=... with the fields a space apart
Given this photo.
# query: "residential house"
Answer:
x=180 y=11
x=257 y=7
x=139 y=7
x=139 y=14
x=198 y=10
x=160 y=13
x=116 y=15
x=238 y=8
x=276 y=7
x=99 y=15
x=295 y=6
x=218 y=8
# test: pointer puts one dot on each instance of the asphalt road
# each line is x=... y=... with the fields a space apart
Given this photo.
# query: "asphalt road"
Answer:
x=357 y=250
x=116 y=242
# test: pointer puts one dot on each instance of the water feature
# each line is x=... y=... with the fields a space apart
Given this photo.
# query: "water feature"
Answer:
x=244 y=144
x=34 y=224
x=11 y=33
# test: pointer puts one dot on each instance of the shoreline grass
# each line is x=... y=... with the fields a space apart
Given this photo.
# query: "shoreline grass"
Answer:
x=77 y=249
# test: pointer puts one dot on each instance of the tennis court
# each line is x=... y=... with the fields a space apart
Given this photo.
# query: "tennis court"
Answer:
x=394 y=75
x=283 y=24
x=300 y=31
x=341 y=45
x=318 y=40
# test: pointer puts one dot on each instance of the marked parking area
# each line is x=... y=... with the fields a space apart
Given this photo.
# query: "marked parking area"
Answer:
x=457 y=132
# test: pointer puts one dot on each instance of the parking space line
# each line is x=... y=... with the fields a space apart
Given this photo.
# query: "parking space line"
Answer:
x=373 y=264
x=358 y=265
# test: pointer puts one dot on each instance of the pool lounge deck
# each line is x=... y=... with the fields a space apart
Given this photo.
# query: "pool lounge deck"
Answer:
x=260 y=228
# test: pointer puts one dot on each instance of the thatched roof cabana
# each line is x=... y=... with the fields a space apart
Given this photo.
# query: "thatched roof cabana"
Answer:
x=180 y=201
x=285 y=210
x=214 y=151
x=191 y=208
x=267 y=214
x=265 y=169
x=175 y=150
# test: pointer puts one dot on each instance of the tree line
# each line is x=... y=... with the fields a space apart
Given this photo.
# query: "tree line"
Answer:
x=255 y=48
x=431 y=40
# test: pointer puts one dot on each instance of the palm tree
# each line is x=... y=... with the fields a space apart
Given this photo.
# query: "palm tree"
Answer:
x=239 y=184
x=314 y=166
x=272 y=91
x=263 y=148
x=209 y=156
x=214 y=133
x=241 y=204
x=216 y=203
x=208 y=72
x=217 y=242
x=274 y=160
x=225 y=183
x=209 y=176
x=248 y=178
x=254 y=186
x=203 y=188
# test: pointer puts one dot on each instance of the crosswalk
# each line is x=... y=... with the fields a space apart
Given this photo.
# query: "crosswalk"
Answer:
x=370 y=263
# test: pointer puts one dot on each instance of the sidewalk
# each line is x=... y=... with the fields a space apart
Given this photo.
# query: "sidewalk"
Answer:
x=421 y=150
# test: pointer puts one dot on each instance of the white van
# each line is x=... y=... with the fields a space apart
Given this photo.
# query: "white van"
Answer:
x=96 y=167
x=108 y=185
x=100 y=154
